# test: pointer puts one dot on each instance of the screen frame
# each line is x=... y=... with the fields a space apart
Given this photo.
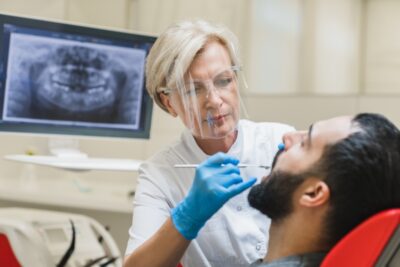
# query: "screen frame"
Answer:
x=75 y=29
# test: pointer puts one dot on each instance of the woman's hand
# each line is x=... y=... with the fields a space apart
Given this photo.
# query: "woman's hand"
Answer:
x=216 y=181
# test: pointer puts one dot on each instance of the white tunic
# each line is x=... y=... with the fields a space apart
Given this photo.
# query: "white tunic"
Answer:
x=237 y=234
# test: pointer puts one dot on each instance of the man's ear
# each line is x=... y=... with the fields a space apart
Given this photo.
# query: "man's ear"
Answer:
x=315 y=193
x=165 y=99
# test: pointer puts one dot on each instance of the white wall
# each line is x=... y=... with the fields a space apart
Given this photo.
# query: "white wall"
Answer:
x=382 y=47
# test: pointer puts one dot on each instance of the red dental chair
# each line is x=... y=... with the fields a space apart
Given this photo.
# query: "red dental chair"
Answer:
x=375 y=242
x=7 y=257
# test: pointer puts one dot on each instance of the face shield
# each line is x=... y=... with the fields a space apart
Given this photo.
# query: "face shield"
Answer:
x=210 y=108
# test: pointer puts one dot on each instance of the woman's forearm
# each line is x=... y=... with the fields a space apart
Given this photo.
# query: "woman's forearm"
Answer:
x=164 y=248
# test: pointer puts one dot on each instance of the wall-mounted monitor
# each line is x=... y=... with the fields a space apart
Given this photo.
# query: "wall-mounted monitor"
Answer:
x=59 y=78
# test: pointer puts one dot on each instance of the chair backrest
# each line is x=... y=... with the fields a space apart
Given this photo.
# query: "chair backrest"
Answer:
x=7 y=256
x=375 y=242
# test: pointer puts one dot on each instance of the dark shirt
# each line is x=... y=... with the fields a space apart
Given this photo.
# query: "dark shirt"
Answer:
x=305 y=260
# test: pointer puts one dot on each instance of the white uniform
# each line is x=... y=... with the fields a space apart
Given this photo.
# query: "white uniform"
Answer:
x=237 y=234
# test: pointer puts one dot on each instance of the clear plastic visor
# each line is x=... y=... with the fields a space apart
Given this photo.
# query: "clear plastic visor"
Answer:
x=210 y=108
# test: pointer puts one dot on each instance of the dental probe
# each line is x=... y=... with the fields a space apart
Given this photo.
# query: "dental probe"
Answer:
x=239 y=166
x=281 y=147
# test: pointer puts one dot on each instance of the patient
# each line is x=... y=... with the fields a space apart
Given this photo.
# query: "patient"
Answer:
x=325 y=182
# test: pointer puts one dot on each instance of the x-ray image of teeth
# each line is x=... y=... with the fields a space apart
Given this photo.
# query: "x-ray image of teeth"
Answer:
x=68 y=81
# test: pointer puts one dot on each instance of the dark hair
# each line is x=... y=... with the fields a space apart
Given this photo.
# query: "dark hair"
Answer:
x=363 y=174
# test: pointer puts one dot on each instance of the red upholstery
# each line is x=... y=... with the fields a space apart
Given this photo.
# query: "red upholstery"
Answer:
x=363 y=245
x=7 y=257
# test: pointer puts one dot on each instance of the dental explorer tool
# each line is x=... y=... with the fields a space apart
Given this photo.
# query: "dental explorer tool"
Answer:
x=239 y=166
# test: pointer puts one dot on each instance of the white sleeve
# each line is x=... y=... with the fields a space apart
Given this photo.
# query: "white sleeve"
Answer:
x=150 y=209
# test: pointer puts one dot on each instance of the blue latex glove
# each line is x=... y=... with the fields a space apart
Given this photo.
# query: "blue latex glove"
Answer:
x=216 y=180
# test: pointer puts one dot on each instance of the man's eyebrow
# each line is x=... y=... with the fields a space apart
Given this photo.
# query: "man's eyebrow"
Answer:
x=309 y=134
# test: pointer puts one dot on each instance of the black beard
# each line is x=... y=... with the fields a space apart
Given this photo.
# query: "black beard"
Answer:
x=273 y=196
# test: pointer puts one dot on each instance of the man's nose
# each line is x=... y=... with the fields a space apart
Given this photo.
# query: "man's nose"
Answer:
x=292 y=138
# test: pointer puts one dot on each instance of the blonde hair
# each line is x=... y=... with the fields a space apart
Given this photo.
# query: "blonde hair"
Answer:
x=176 y=48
